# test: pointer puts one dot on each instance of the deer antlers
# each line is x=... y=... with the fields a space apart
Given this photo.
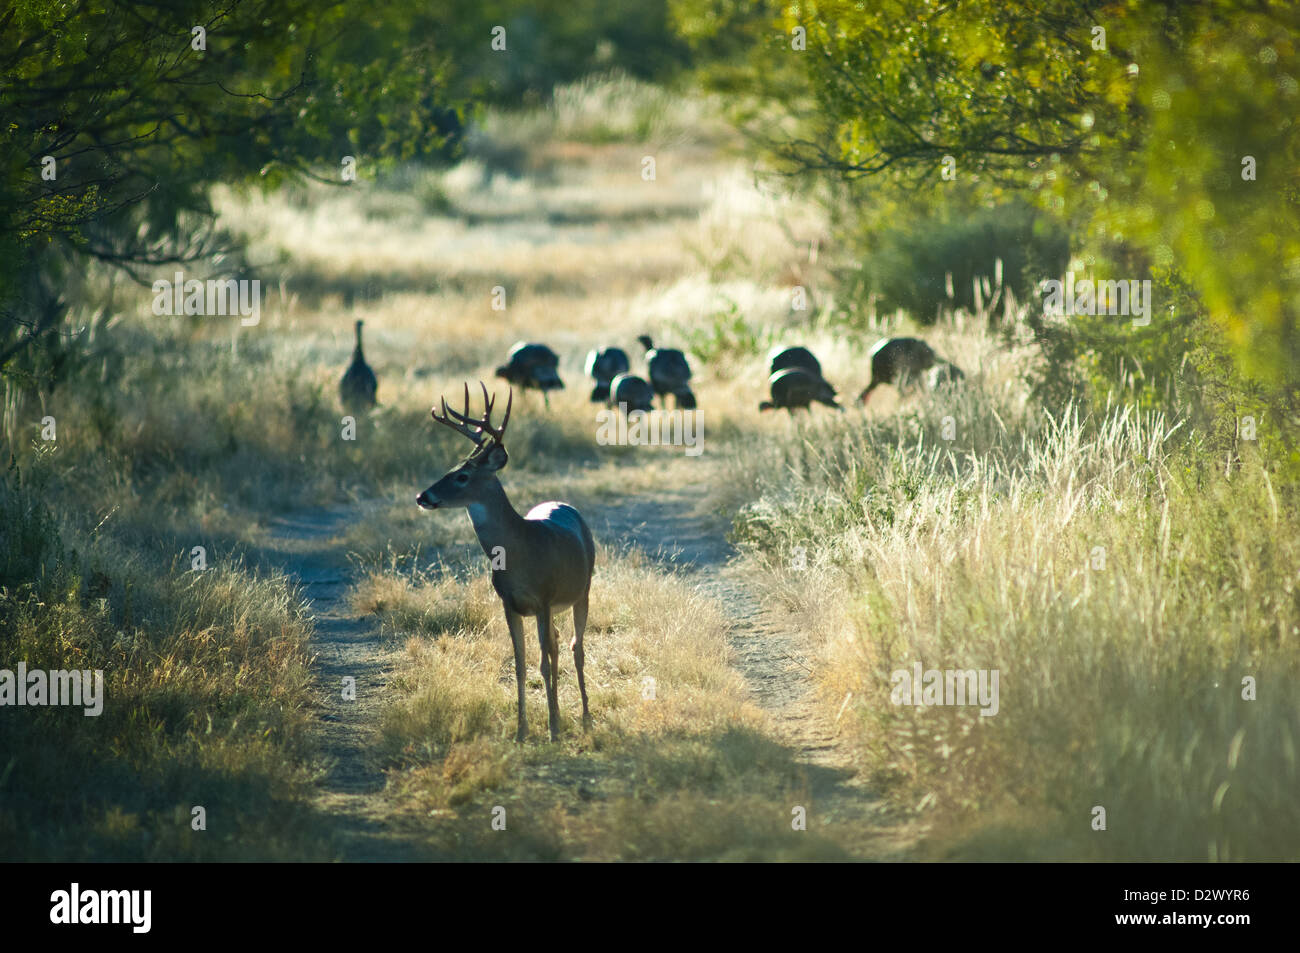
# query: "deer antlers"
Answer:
x=477 y=429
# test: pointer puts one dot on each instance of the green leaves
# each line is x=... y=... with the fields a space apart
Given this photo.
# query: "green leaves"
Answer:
x=1163 y=133
x=117 y=124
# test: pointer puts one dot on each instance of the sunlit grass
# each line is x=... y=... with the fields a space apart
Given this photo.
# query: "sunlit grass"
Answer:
x=961 y=530
x=1122 y=588
x=677 y=765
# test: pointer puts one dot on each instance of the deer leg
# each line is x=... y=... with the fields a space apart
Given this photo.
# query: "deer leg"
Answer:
x=515 y=622
x=580 y=626
x=550 y=668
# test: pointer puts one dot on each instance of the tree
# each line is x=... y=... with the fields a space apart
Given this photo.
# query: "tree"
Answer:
x=1132 y=120
x=118 y=117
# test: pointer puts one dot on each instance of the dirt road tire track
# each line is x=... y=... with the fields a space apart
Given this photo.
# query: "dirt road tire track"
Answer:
x=345 y=644
x=671 y=530
x=772 y=658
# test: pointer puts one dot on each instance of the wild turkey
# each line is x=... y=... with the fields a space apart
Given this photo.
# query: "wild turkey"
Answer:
x=358 y=387
x=781 y=358
x=943 y=374
x=632 y=392
x=669 y=374
x=901 y=362
x=603 y=366
x=796 y=387
x=790 y=358
x=533 y=367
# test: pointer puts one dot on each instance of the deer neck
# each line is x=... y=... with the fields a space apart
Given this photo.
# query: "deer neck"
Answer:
x=496 y=521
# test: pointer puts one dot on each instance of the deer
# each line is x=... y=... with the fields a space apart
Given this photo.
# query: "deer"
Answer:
x=541 y=562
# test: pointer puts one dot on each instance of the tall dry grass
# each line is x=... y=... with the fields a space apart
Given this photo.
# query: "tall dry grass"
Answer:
x=205 y=700
x=678 y=764
x=1120 y=686
x=1121 y=584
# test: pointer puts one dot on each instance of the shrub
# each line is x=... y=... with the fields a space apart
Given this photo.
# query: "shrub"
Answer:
x=933 y=264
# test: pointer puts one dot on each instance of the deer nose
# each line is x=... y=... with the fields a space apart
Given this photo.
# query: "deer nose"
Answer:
x=425 y=501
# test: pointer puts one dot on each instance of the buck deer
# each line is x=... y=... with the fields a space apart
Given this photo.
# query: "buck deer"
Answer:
x=545 y=558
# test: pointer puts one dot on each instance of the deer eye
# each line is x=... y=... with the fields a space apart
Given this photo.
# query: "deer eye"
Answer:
x=462 y=477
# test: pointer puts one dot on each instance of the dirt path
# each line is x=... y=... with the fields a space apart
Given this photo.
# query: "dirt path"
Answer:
x=672 y=528
x=306 y=546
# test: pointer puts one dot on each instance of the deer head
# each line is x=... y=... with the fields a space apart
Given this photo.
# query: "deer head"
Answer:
x=464 y=484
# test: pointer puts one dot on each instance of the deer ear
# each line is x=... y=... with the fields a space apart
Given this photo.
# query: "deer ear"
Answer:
x=496 y=458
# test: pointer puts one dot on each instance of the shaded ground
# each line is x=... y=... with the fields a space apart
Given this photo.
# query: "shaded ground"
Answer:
x=305 y=545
